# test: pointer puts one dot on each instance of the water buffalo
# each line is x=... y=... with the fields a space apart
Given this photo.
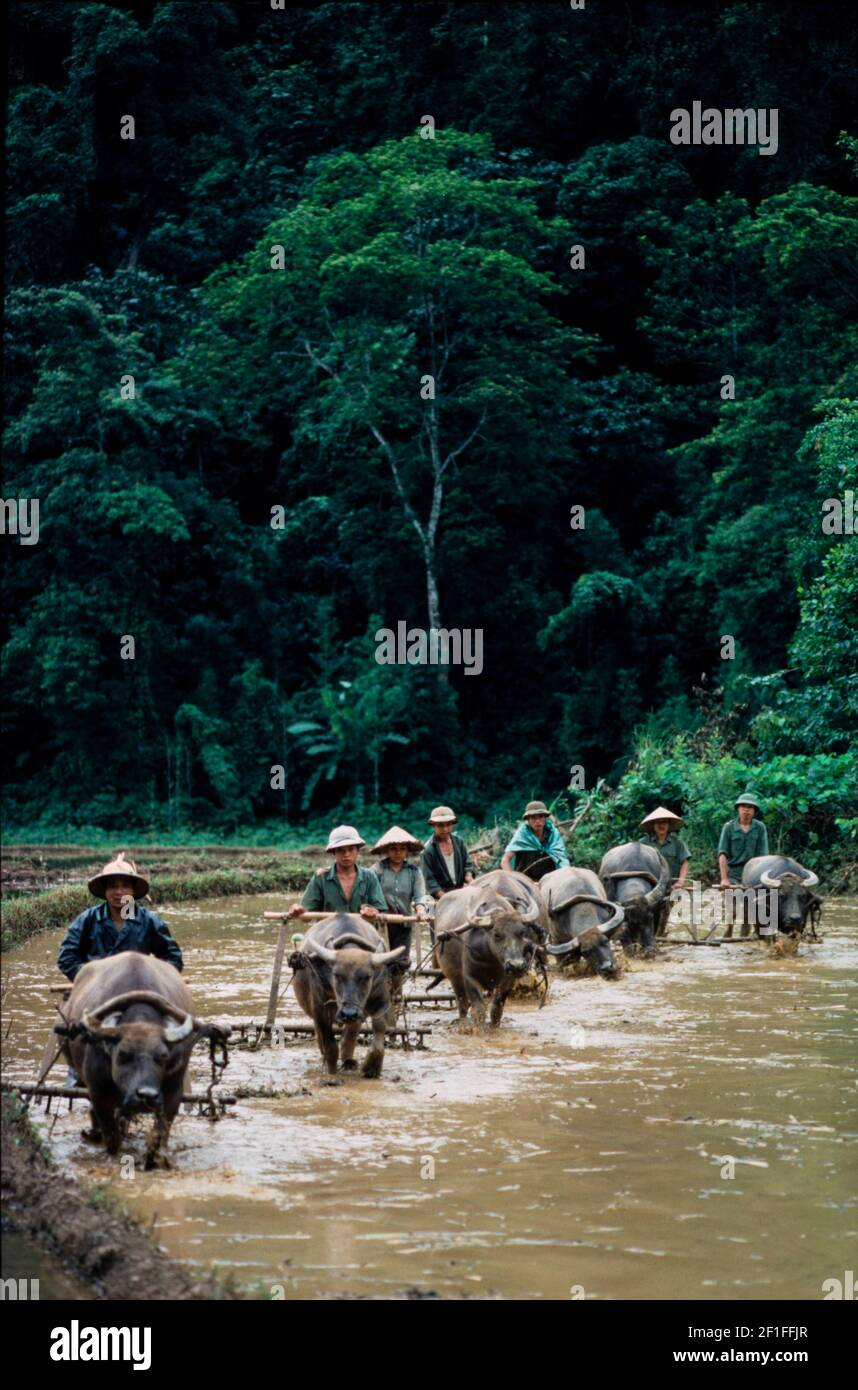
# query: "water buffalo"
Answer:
x=524 y=895
x=485 y=943
x=129 y=1031
x=582 y=921
x=785 y=882
x=340 y=975
x=638 y=878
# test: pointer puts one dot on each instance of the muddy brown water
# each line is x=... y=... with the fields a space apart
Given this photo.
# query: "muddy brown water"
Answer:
x=689 y=1131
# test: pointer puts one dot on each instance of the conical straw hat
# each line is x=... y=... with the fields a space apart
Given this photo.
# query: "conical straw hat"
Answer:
x=119 y=867
x=662 y=813
x=396 y=836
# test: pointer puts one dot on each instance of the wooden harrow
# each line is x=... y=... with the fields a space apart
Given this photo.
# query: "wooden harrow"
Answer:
x=202 y=1101
x=253 y=1033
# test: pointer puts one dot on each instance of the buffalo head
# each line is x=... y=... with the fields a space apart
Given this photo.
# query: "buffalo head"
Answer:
x=141 y=1053
x=355 y=971
x=510 y=935
x=794 y=899
x=593 y=944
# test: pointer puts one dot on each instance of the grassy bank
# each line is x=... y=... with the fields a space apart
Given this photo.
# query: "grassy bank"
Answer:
x=23 y=917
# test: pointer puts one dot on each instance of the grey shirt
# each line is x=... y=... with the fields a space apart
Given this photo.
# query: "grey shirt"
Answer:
x=403 y=887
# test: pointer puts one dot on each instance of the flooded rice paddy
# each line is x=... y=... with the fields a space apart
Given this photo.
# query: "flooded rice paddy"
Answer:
x=689 y=1131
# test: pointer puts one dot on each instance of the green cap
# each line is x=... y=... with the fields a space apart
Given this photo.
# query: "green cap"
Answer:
x=748 y=799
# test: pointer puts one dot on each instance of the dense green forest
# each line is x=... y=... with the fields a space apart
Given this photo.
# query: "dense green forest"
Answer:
x=216 y=335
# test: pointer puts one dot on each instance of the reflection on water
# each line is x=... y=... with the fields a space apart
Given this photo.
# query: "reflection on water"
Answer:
x=686 y=1132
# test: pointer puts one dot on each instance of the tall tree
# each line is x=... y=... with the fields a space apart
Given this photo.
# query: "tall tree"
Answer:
x=401 y=300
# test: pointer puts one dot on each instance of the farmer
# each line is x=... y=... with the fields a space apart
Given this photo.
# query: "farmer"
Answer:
x=445 y=860
x=741 y=839
x=663 y=836
x=537 y=847
x=346 y=886
x=119 y=923
x=403 y=886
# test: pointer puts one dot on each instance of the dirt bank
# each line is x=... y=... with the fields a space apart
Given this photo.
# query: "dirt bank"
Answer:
x=90 y=1236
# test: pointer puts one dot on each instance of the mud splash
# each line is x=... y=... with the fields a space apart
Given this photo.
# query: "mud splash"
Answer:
x=685 y=1132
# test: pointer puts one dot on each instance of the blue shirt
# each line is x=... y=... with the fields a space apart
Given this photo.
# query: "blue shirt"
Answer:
x=93 y=935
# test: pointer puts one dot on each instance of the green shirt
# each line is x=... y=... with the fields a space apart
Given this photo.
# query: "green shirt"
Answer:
x=740 y=845
x=674 y=849
x=324 y=894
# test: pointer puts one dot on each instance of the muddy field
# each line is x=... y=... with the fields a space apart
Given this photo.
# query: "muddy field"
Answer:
x=686 y=1132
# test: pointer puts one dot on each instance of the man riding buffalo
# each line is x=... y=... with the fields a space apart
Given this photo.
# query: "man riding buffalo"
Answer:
x=346 y=886
x=119 y=923
x=537 y=846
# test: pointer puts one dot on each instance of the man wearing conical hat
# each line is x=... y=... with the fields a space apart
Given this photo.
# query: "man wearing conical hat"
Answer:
x=445 y=860
x=741 y=839
x=660 y=829
x=118 y=923
x=346 y=886
x=403 y=886
x=537 y=847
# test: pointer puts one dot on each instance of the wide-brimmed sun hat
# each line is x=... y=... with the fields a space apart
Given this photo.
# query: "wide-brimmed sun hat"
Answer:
x=396 y=836
x=748 y=799
x=662 y=813
x=441 y=815
x=342 y=836
x=536 y=808
x=119 y=867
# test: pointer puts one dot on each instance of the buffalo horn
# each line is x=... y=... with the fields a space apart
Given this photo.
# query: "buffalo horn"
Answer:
x=175 y=1032
x=382 y=957
x=608 y=928
x=657 y=893
x=479 y=920
x=91 y=1023
x=312 y=948
x=121 y=1002
x=811 y=879
x=577 y=898
x=768 y=882
x=565 y=947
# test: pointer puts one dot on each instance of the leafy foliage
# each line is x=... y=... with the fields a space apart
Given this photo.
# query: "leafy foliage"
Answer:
x=299 y=389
